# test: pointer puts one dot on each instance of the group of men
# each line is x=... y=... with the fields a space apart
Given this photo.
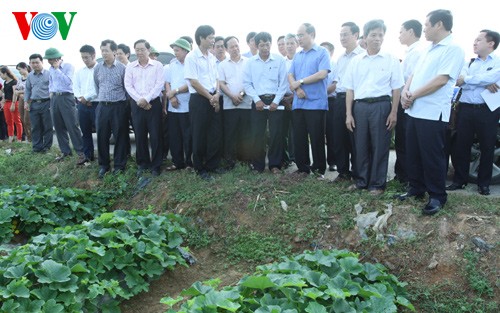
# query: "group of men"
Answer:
x=223 y=106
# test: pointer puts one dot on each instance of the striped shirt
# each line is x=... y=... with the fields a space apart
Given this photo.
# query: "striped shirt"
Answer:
x=109 y=82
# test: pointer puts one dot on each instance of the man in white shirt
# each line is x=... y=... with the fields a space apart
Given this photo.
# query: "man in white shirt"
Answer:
x=427 y=100
x=86 y=96
x=409 y=35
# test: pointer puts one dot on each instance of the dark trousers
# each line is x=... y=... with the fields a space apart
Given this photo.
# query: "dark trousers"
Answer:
x=237 y=136
x=148 y=122
x=165 y=134
x=372 y=141
x=342 y=138
x=426 y=158
x=3 y=126
x=329 y=132
x=42 y=130
x=288 y=147
x=481 y=122
x=205 y=129
x=400 y=146
x=275 y=147
x=86 y=117
x=309 y=126
x=112 y=119
x=180 y=138
x=64 y=117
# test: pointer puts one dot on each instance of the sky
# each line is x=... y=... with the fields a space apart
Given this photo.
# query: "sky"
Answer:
x=162 y=22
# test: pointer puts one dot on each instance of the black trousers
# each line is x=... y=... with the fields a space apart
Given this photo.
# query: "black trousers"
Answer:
x=309 y=126
x=400 y=146
x=237 y=136
x=288 y=147
x=148 y=122
x=481 y=122
x=275 y=147
x=42 y=130
x=329 y=132
x=342 y=138
x=180 y=137
x=206 y=130
x=112 y=119
x=426 y=157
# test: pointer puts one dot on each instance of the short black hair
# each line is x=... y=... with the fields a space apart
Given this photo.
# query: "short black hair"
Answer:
x=264 y=37
x=310 y=29
x=144 y=41
x=188 y=39
x=281 y=37
x=124 y=48
x=373 y=24
x=492 y=36
x=415 y=25
x=330 y=46
x=24 y=66
x=443 y=16
x=203 y=31
x=250 y=36
x=229 y=38
x=354 y=28
x=36 y=56
x=218 y=38
x=112 y=44
x=87 y=49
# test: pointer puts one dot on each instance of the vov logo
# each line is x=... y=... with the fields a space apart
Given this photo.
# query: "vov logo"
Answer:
x=44 y=26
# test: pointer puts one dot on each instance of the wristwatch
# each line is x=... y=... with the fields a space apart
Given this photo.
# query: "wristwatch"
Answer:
x=242 y=93
x=301 y=82
x=177 y=91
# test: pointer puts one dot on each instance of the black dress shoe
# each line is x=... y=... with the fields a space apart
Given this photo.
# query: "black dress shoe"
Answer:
x=155 y=172
x=407 y=195
x=332 y=168
x=102 y=172
x=432 y=207
x=455 y=186
x=483 y=190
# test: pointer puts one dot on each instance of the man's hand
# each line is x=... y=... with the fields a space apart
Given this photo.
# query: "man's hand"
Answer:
x=174 y=102
x=406 y=99
x=493 y=88
x=259 y=106
x=391 y=120
x=273 y=107
x=349 y=123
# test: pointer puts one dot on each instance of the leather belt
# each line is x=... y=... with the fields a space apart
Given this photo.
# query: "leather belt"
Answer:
x=473 y=105
x=40 y=100
x=63 y=93
x=341 y=94
x=267 y=98
x=109 y=102
x=374 y=99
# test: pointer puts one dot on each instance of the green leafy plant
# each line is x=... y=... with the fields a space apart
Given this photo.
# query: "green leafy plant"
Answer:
x=312 y=282
x=90 y=267
x=36 y=209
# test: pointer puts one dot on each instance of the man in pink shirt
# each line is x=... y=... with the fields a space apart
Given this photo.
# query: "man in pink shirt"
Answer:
x=144 y=82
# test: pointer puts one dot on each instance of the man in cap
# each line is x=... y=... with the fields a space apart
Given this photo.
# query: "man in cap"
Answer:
x=63 y=105
x=178 y=108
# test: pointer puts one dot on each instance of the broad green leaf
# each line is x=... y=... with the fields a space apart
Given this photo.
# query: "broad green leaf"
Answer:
x=315 y=307
x=18 y=288
x=196 y=289
x=51 y=306
x=351 y=265
x=372 y=272
x=405 y=302
x=29 y=306
x=269 y=309
x=79 y=268
x=171 y=301
x=51 y=271
x=9 y=306
x=6 y=215
x=258 y=282
x=335 y=293
x=383 y=305
x=15 y=271
x=44 y=293
x=312 y=293
x=342 y=306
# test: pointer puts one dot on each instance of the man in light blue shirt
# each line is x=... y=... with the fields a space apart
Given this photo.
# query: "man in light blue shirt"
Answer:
x=308 y=79
x=474 y=117
x=63 y=105
x=264 y=80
